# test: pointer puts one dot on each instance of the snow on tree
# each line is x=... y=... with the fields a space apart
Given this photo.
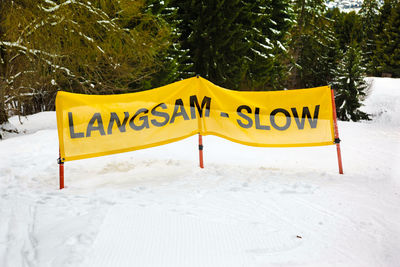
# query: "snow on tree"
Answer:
x=267 y=36
x=168 y=59
x=350 y=86
x=213 y=37
x=236 y=44
x=79 y=46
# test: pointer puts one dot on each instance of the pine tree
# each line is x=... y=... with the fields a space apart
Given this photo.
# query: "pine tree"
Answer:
x=313 y=46
x=267 y=37
x=350 y=85
x=387 y=56
x=235 y=44
x=369 y=16
x=382 y=20
x=212 y=37
x=167 y=69
x=347 y=26
x=384 y=13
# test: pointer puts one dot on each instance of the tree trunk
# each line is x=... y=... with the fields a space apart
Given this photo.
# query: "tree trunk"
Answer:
x=3 y=114
x=3 y=66
x=294 y=79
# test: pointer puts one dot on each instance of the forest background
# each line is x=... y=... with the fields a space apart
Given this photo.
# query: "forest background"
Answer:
x=112 y=47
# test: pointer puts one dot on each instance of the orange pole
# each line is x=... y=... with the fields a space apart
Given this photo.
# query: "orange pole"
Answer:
x=337 y=140
x=201 y=151
x=61 y=167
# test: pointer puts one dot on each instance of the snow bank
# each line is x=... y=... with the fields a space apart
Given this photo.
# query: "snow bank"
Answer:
x=7 y=130
x=383 y=101
x=18 y=125
x=36 y=122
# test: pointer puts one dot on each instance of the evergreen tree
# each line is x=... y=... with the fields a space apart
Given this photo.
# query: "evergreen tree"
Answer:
x=236 y=44
x=214 y=40
x=384 y=13
x=167 y=70
x=382 y=20
x=314 y=45
x=369 y=16
x=347 y=26
x=267 y=37
x=387 y=56
x=350 y=85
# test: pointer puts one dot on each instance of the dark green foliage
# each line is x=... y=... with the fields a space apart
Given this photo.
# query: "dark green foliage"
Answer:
x=213 y=38
x=350 y=86
x=313 y=44
x=167 y=70
x=369 y=18
x=348 y=27
x=387 y=53
x=384 y=14
x=267 y=37
x=374 y=66
x=235 y=44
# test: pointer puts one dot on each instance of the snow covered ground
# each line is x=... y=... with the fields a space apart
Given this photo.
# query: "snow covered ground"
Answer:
x=248 y=207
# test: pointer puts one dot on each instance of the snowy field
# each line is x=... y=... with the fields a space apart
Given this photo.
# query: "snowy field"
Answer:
x=248 y=207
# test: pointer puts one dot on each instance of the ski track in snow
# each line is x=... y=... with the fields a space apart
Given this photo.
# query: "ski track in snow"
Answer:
x=248 y=207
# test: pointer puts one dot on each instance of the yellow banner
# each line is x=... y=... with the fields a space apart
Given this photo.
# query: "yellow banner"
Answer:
x=97 y=125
